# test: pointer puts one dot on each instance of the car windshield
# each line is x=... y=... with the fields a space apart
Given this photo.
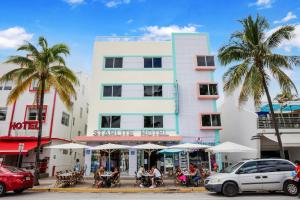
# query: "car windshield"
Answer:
x=233 y=167
x=13 y=169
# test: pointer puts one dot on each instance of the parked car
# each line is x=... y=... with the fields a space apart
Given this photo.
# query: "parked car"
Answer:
x=14 y=179
x=254 y=176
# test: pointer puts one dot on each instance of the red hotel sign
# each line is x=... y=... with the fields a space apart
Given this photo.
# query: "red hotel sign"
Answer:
x=32 y=125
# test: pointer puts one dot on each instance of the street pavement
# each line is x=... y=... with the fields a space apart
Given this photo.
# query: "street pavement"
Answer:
x=137 y=196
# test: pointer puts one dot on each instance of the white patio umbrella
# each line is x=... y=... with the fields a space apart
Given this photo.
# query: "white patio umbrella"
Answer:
x=191 y=146
x=69 y=146
x=109 y=148
x=149 y=148
x=229 y=147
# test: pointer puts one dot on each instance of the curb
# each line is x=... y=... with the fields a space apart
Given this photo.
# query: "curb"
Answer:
x=120 y=190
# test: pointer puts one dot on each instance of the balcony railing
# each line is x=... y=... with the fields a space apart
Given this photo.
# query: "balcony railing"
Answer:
x=283 y=123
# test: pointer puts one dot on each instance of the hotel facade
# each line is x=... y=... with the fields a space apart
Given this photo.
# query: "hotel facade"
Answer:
x=151 y=91
x=18 y=125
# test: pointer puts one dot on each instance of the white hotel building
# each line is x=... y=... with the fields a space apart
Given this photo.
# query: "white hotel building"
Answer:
x=59 y=126
x=151 y=91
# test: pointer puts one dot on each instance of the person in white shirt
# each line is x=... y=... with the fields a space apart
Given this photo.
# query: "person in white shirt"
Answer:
x=139 y=176
x=156 y=176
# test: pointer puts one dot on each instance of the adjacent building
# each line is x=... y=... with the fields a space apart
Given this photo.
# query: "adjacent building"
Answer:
x=253 y=127
x=151 y=91
x=18 y=125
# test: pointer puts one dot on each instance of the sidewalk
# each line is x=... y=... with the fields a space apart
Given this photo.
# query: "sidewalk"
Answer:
x=127 y=186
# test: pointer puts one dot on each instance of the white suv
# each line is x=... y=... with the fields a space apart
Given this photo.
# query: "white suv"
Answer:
x=254 y=175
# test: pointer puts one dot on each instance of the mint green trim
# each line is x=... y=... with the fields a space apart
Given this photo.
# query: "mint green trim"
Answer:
x=124 y=114
x=141 y=113
x=137 y=69
x=141 y=129
x=135 y=98
x=143 y=56
x=163 y=68
x=175 y=81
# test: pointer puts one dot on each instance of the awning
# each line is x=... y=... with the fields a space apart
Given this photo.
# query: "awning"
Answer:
x=288 y=139
x=128 y=138
x=11 y=147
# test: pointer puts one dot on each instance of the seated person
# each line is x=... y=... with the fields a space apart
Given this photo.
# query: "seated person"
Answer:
x=139 y=176
x=156 y=176
x=180 y=176
x=195 y=173
x=115 y=175
x=99 y=181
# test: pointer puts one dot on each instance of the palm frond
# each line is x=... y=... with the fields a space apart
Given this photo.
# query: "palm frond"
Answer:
x=18 y=90
x=276 y=38
x=285 y=83
x=20 y=60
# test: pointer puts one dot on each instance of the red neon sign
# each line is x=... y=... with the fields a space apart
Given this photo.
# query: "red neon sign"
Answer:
x=30 y=125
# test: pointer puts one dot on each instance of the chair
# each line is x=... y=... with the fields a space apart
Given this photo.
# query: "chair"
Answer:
x=116 y=180
x=159 y=182
x=138 y=181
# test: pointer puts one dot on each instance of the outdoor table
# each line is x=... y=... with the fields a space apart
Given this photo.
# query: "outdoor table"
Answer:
x=107 y=179
x=147 y=179
x=188 y=179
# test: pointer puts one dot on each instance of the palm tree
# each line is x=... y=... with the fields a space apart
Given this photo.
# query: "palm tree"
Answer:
x=255 y=63
x=46 y=66
x=283 y=99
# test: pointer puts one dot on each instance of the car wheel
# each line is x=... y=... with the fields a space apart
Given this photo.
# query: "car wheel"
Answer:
x=291 y=188
x=2 y=189
x=230 y=189
x=18 y=191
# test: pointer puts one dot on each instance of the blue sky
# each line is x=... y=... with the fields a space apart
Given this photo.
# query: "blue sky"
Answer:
x=78 y=22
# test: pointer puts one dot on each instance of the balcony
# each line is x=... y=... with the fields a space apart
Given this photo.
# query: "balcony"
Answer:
x=283 y=123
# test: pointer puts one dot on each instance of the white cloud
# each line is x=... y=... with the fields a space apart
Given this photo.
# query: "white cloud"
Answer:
x=116 y=3
x=129 y=21
x=165 y=32
x=287 y=18
x=261 y=4
x=74 y=2
x=288 y=45
x=13 y=37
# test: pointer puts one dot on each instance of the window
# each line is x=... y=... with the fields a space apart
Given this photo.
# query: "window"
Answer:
x=3 y=112
x=152 y=62
x=113 y=62
x=73 y=121
x=65 y=119
x=112 y=91
x=81 y=110
x=85 y=128
x=211 y=120
x=205 y=61
x=267 y=166
x=208 y=89
x=33 y=114
x=153 y=121
x=111 y=122
x=248 y=168
x=153 y=91
x=6 y=85
x=79 y=133
x=34 y=85
x=282 y=165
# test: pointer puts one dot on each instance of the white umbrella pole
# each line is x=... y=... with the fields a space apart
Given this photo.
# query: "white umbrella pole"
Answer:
x=188 y=160
x=109 y=159
x=164 y=163
x=209 y=162
x=149 y=155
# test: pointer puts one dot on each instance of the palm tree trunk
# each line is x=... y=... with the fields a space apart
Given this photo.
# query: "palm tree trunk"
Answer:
x=273 y=119
x=40 y=121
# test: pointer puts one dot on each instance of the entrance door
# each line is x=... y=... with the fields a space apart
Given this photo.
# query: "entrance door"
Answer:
x=249 y=177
